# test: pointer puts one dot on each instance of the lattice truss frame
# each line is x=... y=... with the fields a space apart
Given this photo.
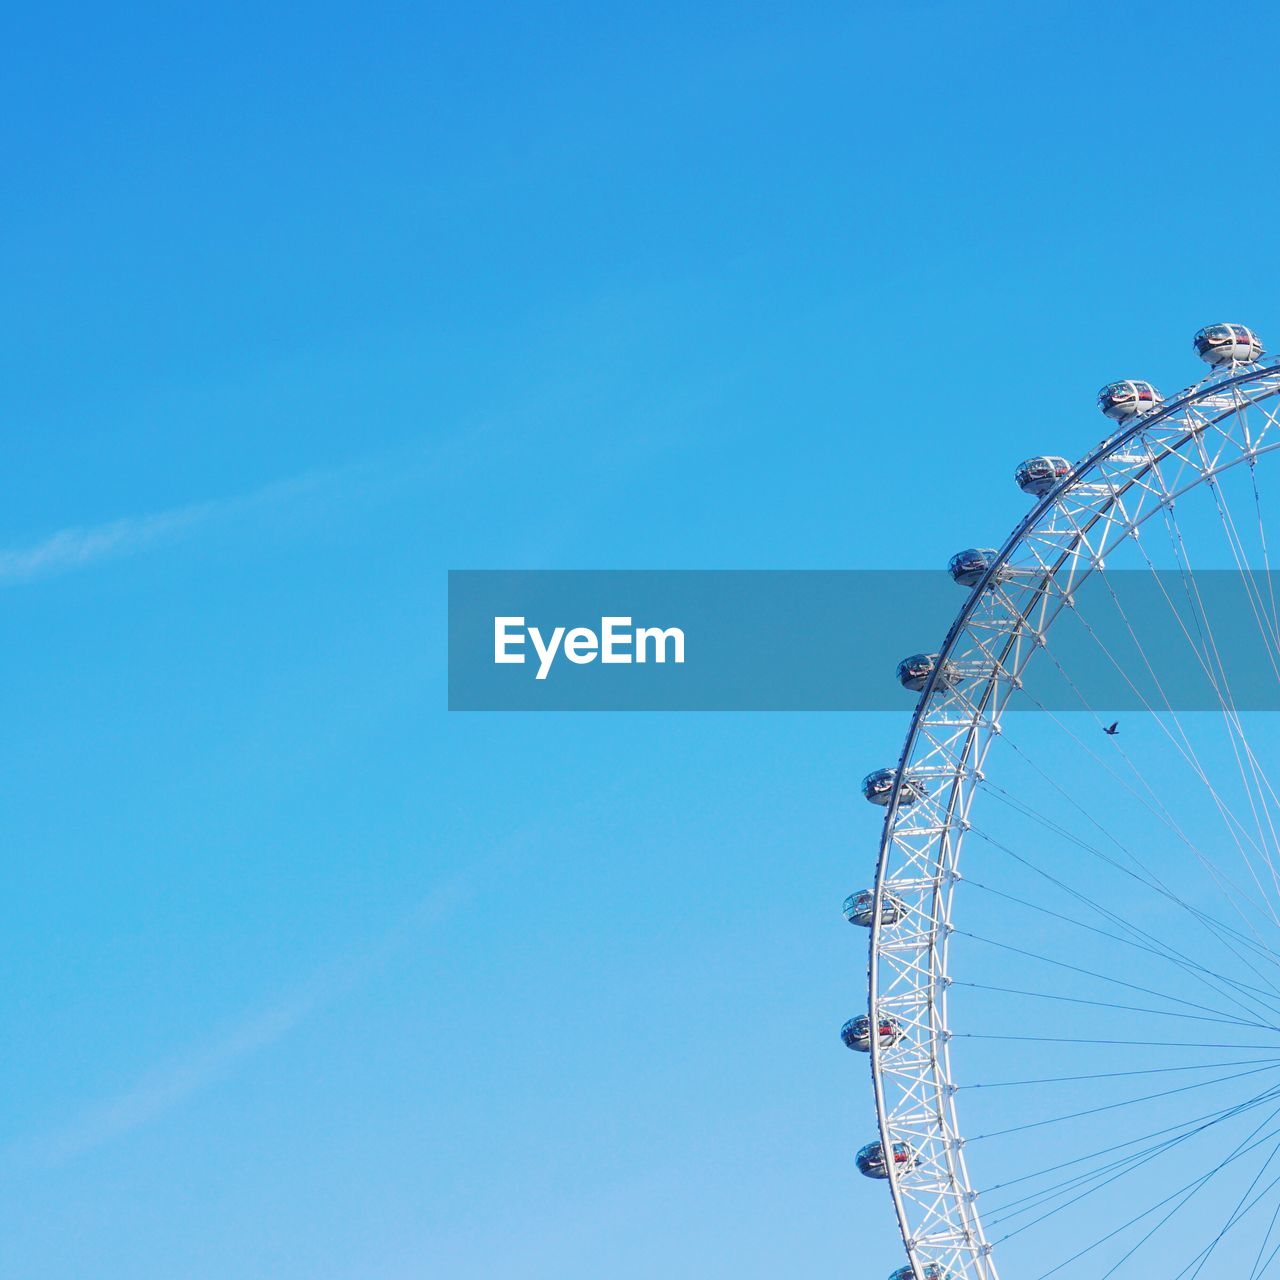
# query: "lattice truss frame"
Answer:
x=1142 y=468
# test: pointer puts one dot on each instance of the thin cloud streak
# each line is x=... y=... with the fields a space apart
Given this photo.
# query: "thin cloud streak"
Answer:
x=80 y=546
x=166 y=1087
x=443 y=460
x=77 y=547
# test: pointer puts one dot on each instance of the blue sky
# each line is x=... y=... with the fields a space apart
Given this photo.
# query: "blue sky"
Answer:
x=307 y=977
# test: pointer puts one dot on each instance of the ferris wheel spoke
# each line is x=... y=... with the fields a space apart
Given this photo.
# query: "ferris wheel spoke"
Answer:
x=1268 y=576
x=1171 y=1135
x=1233 y=989
x=1117 y=1075
x=1102 y=1043
x=1182 y=741
x=1108 y=1174
x=1144 y=793
x=1268 y=624
x=1258 y=1265
x=1105 y=977
x=1229 y=988
x=1086 y=1184
x=1186 y=1193
x=1237 y=1215
x=1236 y=829
x=1214 y=666
x=1127 y=1102
x=1108 y=1004
x=1255 y=783
x=1163 y=1222
x=1160 y=812
x=1147 y=878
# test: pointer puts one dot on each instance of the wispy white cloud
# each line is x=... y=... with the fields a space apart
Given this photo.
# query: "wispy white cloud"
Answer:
x=167 y=1086
x=79 y=546
x=76 y=547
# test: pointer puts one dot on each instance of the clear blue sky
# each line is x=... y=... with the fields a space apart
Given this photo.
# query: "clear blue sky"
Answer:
x=306 y=977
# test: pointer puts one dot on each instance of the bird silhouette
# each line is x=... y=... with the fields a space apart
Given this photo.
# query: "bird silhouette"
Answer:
x=1113 y=728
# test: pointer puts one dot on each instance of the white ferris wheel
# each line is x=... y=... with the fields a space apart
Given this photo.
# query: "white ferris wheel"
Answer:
x=1073 y=1016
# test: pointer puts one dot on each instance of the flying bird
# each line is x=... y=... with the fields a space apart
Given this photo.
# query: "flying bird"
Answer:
x=1113 y=728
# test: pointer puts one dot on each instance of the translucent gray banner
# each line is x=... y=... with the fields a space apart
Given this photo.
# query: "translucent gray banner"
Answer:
x=799 y=640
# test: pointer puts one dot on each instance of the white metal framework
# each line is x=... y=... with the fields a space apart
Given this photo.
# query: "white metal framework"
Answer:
x=1144 y=467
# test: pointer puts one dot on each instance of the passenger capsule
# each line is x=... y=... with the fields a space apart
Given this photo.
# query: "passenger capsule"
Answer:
x=859 y=908
x=878 y=788
x=1227 y=344
x=969 y=567
x=872 y=1163
x=1121 y=400
x=930 y=1271
x=914 y=672
x=1037 y=476
x=856 y=1033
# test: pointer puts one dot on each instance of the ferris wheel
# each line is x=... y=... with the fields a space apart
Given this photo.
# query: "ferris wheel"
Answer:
x=1073 y=1015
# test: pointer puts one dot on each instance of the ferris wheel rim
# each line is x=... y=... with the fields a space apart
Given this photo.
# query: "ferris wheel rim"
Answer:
x=939 y=1084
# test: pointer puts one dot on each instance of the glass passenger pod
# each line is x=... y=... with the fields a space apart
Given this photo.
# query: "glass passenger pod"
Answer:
x=856 y=1033
x=859 y=908
x=930 y=1271
x=914 y=672
x=878 y=788
x=872 y=1164
x=1217 y=344
x=969 y=567
x=1121 y=400
x=1037 y=476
